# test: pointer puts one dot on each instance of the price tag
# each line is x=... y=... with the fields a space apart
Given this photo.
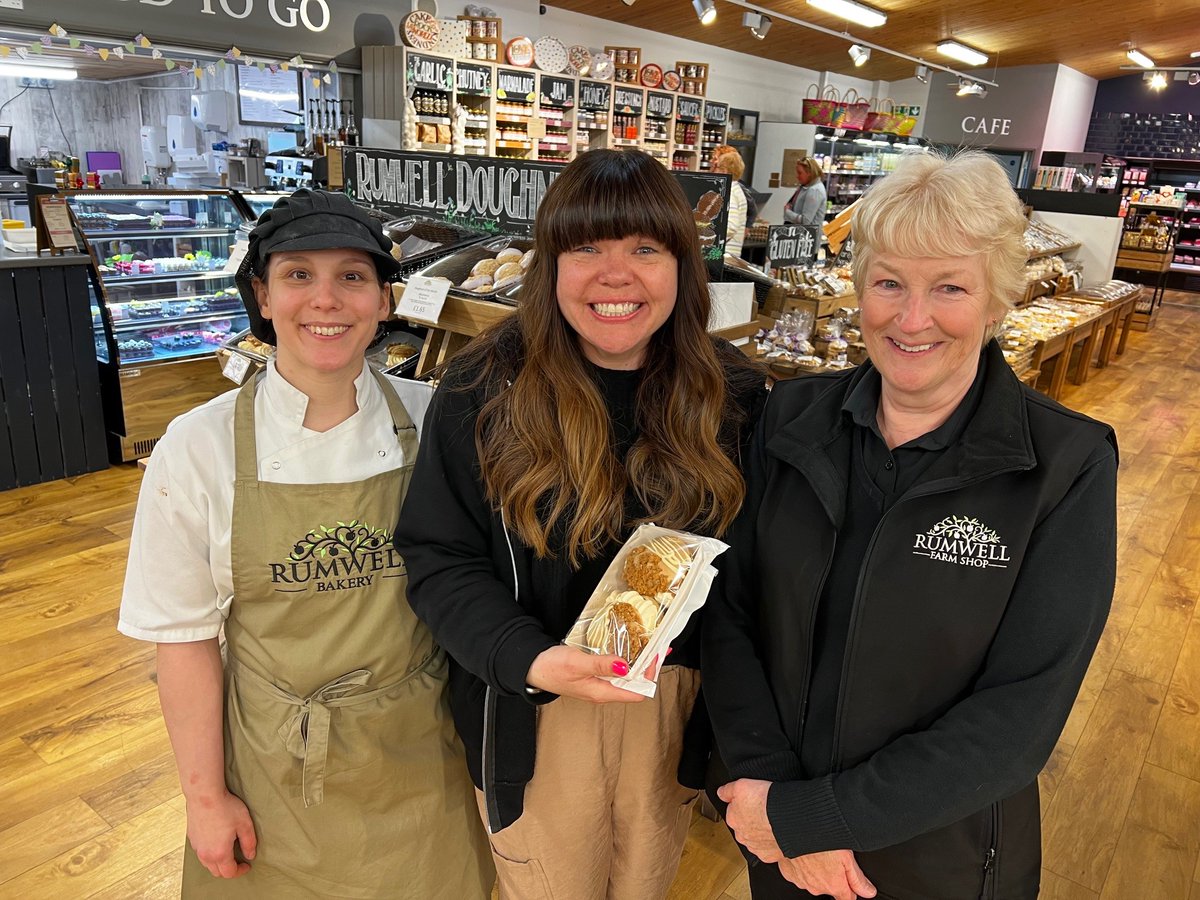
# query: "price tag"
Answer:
x=423 y=299
x=536 y=129
x=236 y=367
x=236 y=256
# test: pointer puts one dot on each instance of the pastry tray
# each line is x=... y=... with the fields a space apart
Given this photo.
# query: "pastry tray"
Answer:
x=377 y=352
x=457 y=266
x=231 y=344
x=423 y=230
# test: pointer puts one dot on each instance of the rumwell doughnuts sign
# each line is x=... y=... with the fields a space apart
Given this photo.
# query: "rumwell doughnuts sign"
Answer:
x=498 y=195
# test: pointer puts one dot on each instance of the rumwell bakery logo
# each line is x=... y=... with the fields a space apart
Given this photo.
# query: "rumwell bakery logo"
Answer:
x=347 y=555
x=962 y=541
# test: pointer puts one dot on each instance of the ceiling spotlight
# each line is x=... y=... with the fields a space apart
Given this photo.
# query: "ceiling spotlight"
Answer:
x=629 y=2
x=858 y=13
x=922 y=73
x=1137 y=56
x=1158 y=81
x=1194 y=78
x=962 y=53
x=859 y=54
x=758 y=24
x=706 y=11
x=969 y=88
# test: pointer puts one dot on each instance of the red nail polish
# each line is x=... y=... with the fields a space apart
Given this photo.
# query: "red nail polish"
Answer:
x=620 y=668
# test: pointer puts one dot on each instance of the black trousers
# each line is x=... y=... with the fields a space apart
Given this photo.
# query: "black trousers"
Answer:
x=766 y=883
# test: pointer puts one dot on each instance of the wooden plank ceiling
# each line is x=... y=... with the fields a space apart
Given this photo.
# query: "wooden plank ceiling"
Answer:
x=1086 y=36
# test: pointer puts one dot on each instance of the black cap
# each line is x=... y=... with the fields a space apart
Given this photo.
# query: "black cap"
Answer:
x=310 y=220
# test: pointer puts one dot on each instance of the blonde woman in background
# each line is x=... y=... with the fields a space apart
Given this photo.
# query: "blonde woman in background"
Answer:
x=727 y=161
x=807 y=206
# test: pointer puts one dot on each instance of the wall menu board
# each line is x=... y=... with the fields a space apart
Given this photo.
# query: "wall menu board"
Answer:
x=499 y=195
x=594 y=95
x=716 y=113
x=660 y=106
x=474 y=80
x=268 y=98
x=789 y=245
x=688 y=110
x=429 y=72
x=558 y=92
x=516 y=85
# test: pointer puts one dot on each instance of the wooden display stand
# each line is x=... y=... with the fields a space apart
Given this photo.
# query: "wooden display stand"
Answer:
x=626 y=72
x=698 y=81
x=488 y=24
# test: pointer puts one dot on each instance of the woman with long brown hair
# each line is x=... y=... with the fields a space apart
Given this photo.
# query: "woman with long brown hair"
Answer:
x=602 y=403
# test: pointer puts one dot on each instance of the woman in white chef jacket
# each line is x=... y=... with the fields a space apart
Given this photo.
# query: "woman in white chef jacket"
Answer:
x=316 y=754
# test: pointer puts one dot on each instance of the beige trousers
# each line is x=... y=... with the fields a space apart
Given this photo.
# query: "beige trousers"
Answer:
x=605 y=817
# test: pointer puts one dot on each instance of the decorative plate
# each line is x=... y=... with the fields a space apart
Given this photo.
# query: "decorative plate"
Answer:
x=420 y=30
x=519 y=52
x=602 y=67
x=580 y=59
x=549 y=54
x=651 y=76
x=671 y=80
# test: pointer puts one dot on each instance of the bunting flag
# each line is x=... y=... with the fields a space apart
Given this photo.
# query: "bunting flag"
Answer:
x=184 y=67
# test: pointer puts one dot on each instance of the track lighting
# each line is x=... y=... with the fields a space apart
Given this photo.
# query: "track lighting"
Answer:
x=1158 y=81
x=858 y=13
x=969 y=88
x=962 y=53
x=1137 y=56
x=706 y=11
x=922 y=73
x=758 y=23
x=1194 y=78
x=859 y=54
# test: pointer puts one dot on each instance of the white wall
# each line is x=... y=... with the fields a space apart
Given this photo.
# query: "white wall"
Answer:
x=911 y=92
x=1100 y=236
x=773 y=139
x=1070 y=111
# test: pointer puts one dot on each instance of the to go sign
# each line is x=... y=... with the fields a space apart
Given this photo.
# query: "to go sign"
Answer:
x=312 y=14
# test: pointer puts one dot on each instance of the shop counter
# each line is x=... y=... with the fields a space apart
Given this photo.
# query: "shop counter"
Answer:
x=53 y=419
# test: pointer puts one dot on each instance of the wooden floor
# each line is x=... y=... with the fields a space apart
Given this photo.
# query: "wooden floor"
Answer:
x=90 y=804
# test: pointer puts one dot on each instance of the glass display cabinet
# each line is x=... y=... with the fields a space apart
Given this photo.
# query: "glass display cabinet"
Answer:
x=164 y=302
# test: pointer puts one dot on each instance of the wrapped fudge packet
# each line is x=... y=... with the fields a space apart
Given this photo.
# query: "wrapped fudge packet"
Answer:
x=643 y=602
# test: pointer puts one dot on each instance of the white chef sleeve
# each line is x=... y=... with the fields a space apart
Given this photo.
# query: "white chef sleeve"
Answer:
x=170 y=595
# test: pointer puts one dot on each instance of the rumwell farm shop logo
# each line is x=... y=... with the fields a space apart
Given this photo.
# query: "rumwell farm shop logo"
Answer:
x=962 y=541
x=338 y=558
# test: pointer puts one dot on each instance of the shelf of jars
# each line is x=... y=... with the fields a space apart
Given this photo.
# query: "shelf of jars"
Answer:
x=515 y=107
x=556 y=108
x=656 y=136
x=473 y=84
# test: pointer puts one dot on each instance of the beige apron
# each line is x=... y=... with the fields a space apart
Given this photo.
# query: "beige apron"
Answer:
x=338 y=736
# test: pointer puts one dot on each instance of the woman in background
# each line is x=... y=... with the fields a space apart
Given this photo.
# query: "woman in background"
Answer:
x=728 y=161
x=808 y=204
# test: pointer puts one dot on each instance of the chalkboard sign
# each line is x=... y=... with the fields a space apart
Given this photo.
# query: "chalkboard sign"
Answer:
x=594 y=95
x=626 y=100
x=474 y=80
x=688 y=110
x=501 y=195
x=515 y=85
x=660 y=106
x=790 y=245
x=429 y=72
x=716 y=113
x=557 y=92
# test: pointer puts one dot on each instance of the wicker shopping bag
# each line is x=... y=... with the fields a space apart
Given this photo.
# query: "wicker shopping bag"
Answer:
x=881 y=119
x=857 y=111
x=823 y=110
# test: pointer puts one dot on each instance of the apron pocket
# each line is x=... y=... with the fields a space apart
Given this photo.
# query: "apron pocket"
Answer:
x=521 y=880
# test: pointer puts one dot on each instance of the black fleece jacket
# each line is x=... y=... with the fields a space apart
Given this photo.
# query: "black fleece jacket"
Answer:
x=493 y=605
x=978 y=603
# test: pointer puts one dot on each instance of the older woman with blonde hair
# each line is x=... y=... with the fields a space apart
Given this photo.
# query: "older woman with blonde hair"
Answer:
x=884 y=701
x=728 y=161
x=808 y=204
x=600 y=404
